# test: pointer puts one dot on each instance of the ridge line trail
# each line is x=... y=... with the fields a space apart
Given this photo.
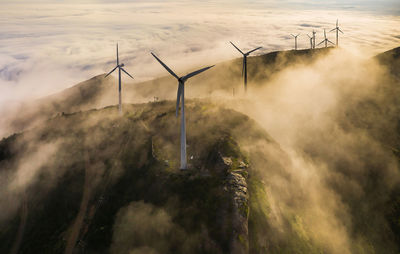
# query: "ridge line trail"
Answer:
x=76 y=227
x=21 y=228
x=78 y=231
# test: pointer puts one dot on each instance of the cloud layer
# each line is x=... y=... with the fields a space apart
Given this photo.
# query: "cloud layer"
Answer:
x=47 y=47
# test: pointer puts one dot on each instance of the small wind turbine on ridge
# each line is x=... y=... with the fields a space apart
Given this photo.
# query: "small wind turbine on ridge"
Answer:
x=337 y=32
x=313 y=35
x=295 y=40
x=326 y=40
x=181 y=98
x=311 y=41
x=120 y=68
x=244 y=68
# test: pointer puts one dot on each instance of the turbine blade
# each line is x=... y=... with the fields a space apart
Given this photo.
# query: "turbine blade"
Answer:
x=178 y=97
x=165 y=66
x=333 y=29
x=111 y=71
x=340 y=31
x=320 y=42
x=236 y=47
x=337 y=22
x=117 y=55
x=196 y=72
x=253 y=50
x=309 y=36
x=292 y=35
x=126 y=73
x=331 y=42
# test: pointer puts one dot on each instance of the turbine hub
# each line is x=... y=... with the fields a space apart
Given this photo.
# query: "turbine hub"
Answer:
x=121 y=65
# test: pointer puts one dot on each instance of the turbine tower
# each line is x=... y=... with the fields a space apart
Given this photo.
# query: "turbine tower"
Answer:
x=181 y=96
x=295 y=40
x=337 y=32
x=326 y=40
x=119 y=66
x=314 y=33
x=311 y=41
x=244 y=69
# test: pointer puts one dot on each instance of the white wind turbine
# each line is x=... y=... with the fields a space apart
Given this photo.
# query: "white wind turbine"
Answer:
x=326 y=40
x=244 y=69
x=337 y=32
x=119 y=66
x=311 y=41
x=295 y=40
x=313 y=35
x=181 y=97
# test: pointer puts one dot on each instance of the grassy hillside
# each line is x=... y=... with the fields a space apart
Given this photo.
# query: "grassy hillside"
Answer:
x=391 y=59
x=98 y=167
x=80 y=179
x=109 y=184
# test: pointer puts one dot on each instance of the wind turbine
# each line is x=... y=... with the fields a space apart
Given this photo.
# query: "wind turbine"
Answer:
x=181 y=96
x=244 y=69
x=326 y=40
x=337 y=32
x=119 y=66
x=311 y=41
x=314 y=33
x=295 y=40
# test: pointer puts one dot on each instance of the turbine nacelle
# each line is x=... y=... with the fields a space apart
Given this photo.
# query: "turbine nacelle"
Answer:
x=243 y=53
x=121 y=65
x=181 y=80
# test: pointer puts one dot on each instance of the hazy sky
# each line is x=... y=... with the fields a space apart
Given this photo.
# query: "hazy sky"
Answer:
x=51 y=45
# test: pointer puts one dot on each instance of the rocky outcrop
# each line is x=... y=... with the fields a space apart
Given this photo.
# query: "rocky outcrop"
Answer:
x=237 y=185
x=236 y=173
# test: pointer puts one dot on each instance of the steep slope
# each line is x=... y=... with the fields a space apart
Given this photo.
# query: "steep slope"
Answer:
x=101 y=183
x=105 y=183
x=391 y=59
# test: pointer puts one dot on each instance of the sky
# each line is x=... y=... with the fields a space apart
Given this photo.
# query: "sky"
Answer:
x=47 y=46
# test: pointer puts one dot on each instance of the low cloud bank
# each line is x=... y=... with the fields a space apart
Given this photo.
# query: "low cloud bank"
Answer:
x=47 y=50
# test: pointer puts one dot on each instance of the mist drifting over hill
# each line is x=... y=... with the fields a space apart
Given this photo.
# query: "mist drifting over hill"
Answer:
x=307 y=161
x=319 y=161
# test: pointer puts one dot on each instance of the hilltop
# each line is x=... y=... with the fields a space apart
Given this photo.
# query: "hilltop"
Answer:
x=98 y=168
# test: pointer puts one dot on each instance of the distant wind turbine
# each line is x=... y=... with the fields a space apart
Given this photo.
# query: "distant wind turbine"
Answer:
x=295 y=40
x=119 y=66
x=181 y=96
x=314 y=33
x=337 y=32
x=244 y=69
x=311 y=41
x=326 y=40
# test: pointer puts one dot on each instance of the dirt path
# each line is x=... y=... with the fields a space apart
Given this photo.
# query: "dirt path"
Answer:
x=86 y=214
x=21 y=228
x=79 y=221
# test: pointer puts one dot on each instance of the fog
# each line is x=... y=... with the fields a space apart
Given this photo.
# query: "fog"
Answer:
x=48 y=47
x=334 y=119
